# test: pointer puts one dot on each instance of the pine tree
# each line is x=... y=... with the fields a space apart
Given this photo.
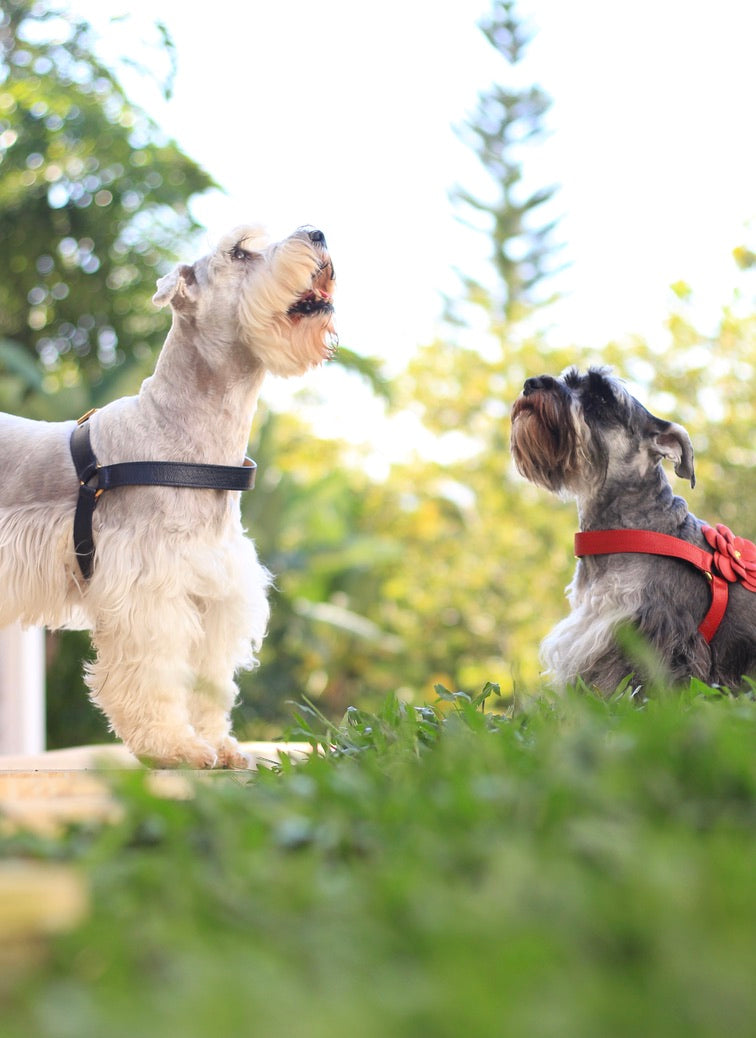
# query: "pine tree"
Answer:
x=509 y=121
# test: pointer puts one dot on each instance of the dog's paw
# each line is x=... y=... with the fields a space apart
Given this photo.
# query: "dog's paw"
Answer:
x=231 y=755
x=192 y=753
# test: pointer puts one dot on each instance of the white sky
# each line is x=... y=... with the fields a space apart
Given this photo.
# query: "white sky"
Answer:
x=341 y=114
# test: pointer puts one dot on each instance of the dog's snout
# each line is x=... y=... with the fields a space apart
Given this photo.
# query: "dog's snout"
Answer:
x=317 y=237
x=532 y=385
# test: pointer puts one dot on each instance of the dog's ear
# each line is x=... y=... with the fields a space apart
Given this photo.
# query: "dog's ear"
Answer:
x=673 y=442
x=180 y=286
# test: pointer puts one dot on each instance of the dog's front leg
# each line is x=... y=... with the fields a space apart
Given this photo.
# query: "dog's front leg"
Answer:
x=233 y=629
x=141 y=680
x=210 y=704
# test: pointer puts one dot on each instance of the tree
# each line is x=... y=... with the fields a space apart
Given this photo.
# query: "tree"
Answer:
x=94 y=206
x=475 y=538
x=93 y=203
x=393 y=586
x=310 y=518
x=485 y=555
x=507 y=123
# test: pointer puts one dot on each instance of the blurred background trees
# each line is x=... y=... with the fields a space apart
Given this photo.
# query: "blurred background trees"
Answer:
x=93 y=199
x=465 y=564
x=450 y=568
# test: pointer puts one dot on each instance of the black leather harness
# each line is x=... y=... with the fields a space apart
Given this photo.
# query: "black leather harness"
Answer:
x=95 y=479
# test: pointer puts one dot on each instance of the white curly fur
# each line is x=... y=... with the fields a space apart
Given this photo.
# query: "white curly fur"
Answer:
x=177 y=601
x=575 y=645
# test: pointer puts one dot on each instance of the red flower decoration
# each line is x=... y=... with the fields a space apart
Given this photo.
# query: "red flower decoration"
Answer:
x=734 y=557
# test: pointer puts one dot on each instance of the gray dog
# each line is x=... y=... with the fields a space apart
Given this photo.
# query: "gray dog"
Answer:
x=645 y=561
x=174 y=594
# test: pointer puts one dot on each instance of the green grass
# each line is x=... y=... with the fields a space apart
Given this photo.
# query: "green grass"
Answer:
x=574 y=868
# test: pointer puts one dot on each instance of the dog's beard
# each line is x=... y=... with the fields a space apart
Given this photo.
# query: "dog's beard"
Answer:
x=544 y=441
x=312 y=331
x=287 y=317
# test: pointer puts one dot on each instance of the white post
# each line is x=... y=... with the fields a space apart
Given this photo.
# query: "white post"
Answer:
x=22 y=690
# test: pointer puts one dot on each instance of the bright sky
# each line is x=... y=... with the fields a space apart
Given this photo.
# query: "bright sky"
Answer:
x=341 y=114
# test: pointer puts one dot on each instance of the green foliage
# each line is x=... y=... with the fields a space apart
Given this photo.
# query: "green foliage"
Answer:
x=575 y=867
x=310 y=518
x=71 y=719
x=93 y=203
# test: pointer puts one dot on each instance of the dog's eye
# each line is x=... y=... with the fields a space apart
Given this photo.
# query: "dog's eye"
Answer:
x=238 y=253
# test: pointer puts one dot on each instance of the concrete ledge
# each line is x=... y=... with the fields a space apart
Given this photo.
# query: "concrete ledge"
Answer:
x=44 y=792
x=115 y=755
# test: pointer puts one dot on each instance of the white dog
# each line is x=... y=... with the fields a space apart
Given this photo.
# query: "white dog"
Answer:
x=176 y=600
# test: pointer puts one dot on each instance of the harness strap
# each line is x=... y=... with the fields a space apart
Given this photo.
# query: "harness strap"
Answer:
x=95 y=479
x=647 y=542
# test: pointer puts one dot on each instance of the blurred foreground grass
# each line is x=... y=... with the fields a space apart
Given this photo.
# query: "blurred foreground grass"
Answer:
x=572 y=868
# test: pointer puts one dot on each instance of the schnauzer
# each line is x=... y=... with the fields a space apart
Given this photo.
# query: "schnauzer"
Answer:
x=639 y=548
x=163 y=575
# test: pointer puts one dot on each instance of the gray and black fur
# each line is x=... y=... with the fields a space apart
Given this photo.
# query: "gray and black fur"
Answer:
x=585 y=436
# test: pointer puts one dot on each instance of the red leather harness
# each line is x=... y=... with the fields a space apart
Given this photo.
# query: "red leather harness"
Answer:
x=732 y=560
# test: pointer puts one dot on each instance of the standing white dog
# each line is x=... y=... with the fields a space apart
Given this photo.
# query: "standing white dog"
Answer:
x=175 y=597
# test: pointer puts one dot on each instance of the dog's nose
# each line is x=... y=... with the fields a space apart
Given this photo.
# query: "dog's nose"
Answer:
x=532 y=385
x=317 y=237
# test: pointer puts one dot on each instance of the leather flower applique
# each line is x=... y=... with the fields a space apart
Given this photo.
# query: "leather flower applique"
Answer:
x=734 y=557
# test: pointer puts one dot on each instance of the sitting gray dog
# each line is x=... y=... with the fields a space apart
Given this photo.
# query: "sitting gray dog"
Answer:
x=163 y=574
x=645 y=561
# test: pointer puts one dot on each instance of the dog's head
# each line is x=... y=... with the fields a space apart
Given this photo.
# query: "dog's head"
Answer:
x=273 y=298
x=575 y=432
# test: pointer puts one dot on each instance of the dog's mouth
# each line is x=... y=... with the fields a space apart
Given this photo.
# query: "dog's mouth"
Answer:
x=318 y=299
x=315 y=301
x=523 y=405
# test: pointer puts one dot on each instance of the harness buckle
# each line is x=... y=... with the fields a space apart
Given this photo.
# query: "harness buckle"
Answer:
x=88 y=473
